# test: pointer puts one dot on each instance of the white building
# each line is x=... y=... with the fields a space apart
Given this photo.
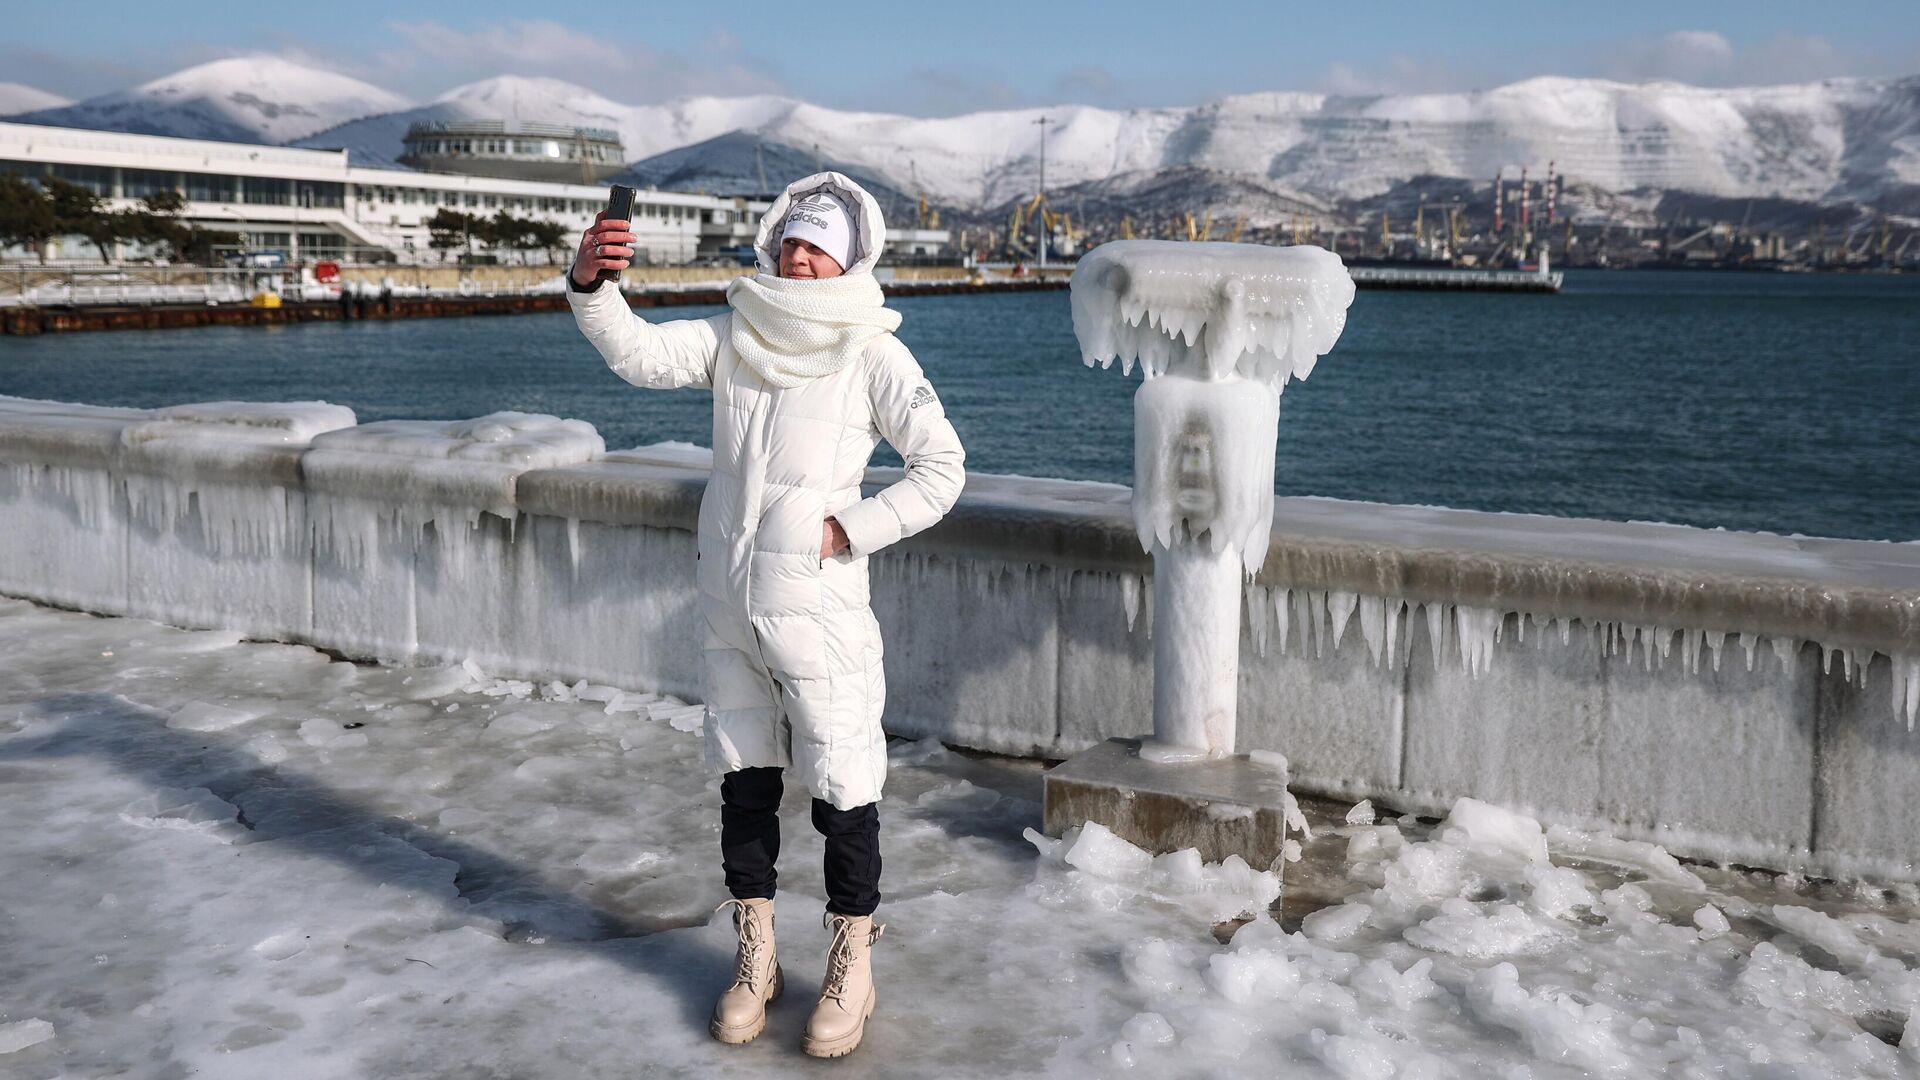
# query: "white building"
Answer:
x=313 y=204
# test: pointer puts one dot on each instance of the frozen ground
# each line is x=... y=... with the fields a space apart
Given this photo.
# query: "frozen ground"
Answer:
x=228 y=859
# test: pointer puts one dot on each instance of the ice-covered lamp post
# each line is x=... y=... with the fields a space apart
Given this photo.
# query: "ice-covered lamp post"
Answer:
x=1217 y=330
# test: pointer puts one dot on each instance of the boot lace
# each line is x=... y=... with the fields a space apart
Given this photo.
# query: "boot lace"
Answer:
x=747 y=959
x=840 y=954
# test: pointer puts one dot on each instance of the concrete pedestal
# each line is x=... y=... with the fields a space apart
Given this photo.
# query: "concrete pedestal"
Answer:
x=1222 y=806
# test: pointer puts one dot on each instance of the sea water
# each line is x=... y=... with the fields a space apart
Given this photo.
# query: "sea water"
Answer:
x=1770 y=402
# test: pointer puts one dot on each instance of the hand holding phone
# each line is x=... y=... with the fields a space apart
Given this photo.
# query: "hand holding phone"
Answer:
x=607 y=247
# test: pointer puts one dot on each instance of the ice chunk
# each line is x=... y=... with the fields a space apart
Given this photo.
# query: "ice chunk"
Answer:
x=21 y=1034
x=1098 y=851
x=1463 y=929
x=1474 y=824
x=918 y=752
x=1652 y=859
x=196 y=810
x=1221 y=890
x=1272 y=759
x=1379 y=981
x=206 y=716
x=1555 y=1026
x=1829 y=933
x=1711 y=921
x=1555 y=891
x=687 y=717
x=1147 y=1029
x=1361 y=813
x=329 y=734
x=1336 y=922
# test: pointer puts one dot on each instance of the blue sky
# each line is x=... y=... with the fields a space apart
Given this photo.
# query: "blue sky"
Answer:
x=937 y=59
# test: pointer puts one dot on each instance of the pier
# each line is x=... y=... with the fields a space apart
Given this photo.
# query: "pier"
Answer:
x=1450 y=279
x=37 y=319
x=146 y=306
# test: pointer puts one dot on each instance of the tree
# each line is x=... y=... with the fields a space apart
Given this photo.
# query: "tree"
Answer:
x=192 y=244
x=511 y=232
x=156 y=222
x=26 y=214
x=483 y=230
x=550 y=236
x=448 y=229
x=78 y=211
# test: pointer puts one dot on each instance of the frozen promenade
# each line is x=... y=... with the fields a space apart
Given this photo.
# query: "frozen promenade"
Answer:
x=234 y=859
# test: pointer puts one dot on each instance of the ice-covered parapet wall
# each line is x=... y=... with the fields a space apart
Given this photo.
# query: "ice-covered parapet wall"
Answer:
x=191 y=514
x=1217 y=330
x=374 y=491
x=236 y=464
x=1737 y=696
x=413 y=472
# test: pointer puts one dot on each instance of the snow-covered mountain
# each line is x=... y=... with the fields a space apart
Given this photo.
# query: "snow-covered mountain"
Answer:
x=18 y=98
x=1839 y=140
x=262 y=99
x=646 y=130
x=743 y=162
x=1843 y=139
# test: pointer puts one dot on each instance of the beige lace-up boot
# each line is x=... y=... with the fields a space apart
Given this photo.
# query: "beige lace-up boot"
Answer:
x=846 y=995
x=741 y=1013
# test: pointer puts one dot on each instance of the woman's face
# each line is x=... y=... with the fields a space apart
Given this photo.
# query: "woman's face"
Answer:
x=799 y=259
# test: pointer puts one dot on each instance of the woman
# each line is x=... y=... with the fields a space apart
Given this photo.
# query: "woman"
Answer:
x=807 y=377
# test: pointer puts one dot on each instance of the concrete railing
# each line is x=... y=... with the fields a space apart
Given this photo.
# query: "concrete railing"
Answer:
x=1741 y=697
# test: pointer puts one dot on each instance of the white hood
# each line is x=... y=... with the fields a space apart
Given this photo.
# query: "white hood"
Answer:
x=869 y=228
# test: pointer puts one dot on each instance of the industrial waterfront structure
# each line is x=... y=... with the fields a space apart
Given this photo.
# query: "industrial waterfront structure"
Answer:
x=316 y=204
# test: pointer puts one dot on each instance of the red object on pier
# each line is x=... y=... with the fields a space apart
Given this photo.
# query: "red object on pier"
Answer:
x=326 y=271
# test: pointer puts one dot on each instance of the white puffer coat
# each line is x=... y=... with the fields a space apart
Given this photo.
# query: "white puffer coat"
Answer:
x=793 y=653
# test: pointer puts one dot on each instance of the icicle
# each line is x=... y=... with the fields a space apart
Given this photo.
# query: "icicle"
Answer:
x=1146 y=606
x=1826 y=659
x=1435 y=626
x=1751 y=643
x=1904 y=676
x=1282 y=607
x=573 y=544
x=1858 y=660
x=1303 y=609
x=1317 y=614
x=1715 y=639
x=1256 y=596
x=1477 y=628
x=1373 y=625
x=1394 y=610
x=1340 y=605
x=1520 y=629
x=1787 y=650
x=1130 y=597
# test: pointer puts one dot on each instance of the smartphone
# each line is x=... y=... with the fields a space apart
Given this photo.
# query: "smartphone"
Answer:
x=619 y=207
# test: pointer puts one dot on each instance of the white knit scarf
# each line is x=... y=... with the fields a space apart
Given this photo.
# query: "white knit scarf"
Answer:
x=794 y=329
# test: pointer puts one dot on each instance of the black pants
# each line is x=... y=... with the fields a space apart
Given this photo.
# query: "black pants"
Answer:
x=750 y=842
